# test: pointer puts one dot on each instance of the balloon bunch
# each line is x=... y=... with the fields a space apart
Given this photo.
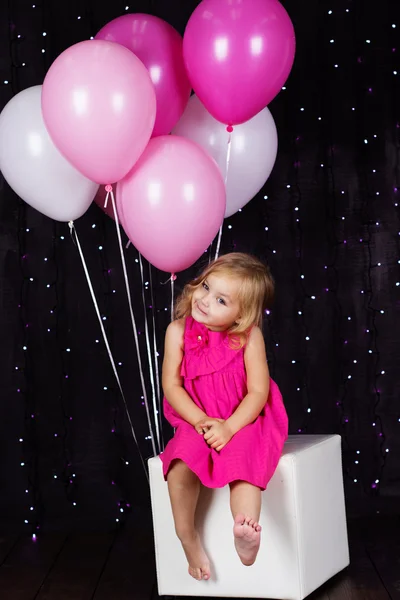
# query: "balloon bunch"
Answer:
x=107 y=107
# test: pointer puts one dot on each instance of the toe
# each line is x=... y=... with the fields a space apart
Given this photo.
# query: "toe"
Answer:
x=205 y=571
x=195 y=573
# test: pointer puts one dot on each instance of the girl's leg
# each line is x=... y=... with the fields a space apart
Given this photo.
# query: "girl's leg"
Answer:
x=184 y=489
x=246 y=507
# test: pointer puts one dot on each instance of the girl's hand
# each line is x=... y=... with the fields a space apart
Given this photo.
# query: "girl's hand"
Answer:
x=201 y=426
x=219 y=433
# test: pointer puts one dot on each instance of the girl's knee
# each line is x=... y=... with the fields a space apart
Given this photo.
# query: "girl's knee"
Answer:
x=244 y=487
x=180 y=474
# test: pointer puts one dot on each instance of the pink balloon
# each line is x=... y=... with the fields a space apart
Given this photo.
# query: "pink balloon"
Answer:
x=159 y=47
x=99 y=107
x=238 y=55
x=173 y=202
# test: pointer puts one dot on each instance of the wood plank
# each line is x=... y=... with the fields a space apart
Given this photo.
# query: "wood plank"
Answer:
x=320 y=594
x=383 y=549
x=7 y=542
x=27 y=565
x=325 y=592
x=78 y=568
x=362 y=581
x=386 y=559
x=359 y=581
x=130 y=570
x=379 y=535
x=103 y=566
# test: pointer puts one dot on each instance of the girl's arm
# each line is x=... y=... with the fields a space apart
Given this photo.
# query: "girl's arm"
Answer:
x=257 y=371
x=172 y=381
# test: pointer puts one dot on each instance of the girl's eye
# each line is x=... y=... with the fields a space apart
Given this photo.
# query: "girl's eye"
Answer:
x=221 y=301
x=205 y=286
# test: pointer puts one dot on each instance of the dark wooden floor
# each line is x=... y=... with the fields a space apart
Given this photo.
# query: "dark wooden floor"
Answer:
x=120 y=566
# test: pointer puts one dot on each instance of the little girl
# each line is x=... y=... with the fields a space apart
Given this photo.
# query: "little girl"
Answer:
x=229 y=416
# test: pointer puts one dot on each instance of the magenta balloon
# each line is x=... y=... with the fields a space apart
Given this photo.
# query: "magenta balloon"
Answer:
x=99 y=107
x=238 y=55
x=159 y=47
x=173 y=202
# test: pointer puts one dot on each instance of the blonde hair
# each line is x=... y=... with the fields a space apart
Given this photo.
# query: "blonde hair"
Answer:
x=256 y=291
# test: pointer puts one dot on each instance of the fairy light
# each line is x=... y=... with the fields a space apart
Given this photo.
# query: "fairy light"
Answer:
x=317 y=287
x=369 y=139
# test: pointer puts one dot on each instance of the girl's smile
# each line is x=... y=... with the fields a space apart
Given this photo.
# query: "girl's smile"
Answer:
x=198 y=307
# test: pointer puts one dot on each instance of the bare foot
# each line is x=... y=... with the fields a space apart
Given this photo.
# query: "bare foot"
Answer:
x=199 y=566
x=247 y=538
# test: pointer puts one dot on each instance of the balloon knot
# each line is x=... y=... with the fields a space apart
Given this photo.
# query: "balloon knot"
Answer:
x=173 y=277
x=229 y=129
x=108 y=188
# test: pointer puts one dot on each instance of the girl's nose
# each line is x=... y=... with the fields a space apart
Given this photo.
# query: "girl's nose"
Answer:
x=204 y=299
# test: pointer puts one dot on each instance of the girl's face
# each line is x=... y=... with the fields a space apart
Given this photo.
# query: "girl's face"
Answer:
x=215 y=302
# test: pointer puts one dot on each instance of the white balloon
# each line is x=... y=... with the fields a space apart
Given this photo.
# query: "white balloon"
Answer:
x=254 y=146
x=32 y=165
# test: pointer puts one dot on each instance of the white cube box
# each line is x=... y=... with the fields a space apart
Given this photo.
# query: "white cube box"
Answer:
x=304 y=534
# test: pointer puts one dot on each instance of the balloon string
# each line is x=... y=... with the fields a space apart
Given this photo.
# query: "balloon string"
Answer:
x=74 y=234
x=228 y=157
x=218 y=243
x=228 y=160
x=173 y=278
x=135 y=334
x=105 y=206
x=156 y=356
x=148 y=347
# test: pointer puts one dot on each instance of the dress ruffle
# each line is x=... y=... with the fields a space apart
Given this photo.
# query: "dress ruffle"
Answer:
x=206 y=352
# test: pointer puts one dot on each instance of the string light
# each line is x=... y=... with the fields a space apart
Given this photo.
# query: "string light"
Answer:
x=298 y=202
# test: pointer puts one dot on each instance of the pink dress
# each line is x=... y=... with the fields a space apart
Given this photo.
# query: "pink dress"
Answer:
x=215 y=378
